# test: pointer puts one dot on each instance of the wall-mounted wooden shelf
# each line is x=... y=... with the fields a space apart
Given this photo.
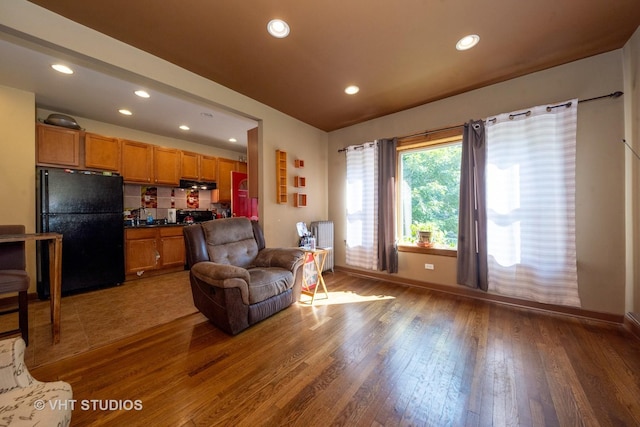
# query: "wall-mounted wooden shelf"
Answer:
x=299 y=200
x=299 y=181
x=281 y=176
x=299 y=163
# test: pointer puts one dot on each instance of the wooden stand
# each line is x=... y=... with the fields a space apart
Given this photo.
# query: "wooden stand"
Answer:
x=319 y=256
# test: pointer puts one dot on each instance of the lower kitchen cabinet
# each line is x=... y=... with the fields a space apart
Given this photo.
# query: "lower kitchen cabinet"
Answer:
x=172 y=252
x=153 y=249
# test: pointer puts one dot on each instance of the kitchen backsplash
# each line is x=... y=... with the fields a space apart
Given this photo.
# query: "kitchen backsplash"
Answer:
x=156 y=200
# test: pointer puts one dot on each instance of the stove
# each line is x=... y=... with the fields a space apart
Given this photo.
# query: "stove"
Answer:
x=197 y=216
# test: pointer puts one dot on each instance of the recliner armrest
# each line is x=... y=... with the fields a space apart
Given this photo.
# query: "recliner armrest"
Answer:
x=223 y=276
x=286 y=258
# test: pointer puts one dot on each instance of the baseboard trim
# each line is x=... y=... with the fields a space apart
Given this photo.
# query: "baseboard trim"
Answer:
x=12 y=300
x=632 y=324
x=481 y=295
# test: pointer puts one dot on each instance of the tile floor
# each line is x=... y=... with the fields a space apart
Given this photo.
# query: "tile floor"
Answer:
x=95 y=318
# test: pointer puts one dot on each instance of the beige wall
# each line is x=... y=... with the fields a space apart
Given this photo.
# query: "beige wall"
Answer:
x=600 y=196
x=17 y=172
x=632 y=168
x=278 y=131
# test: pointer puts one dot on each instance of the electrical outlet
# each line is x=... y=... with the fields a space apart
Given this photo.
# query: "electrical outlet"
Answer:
x=428 y=266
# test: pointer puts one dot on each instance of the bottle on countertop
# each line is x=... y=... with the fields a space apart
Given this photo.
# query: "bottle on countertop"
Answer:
x=149 y=219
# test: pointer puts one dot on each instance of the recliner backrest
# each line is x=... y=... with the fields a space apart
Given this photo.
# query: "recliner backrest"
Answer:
x=195 y=245
x=231 y=241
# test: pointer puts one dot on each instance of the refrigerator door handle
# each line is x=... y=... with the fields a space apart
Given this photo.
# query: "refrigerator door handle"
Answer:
x=44 y=194
x=45 y=221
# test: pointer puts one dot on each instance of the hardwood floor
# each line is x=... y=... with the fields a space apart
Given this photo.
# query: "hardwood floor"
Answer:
x=92 y=319
x=374 y=354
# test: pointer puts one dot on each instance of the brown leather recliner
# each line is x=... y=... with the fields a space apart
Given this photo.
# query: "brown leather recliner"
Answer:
x=235 y=280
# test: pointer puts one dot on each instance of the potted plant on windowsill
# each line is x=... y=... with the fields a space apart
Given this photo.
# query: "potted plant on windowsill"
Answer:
x=425 y=232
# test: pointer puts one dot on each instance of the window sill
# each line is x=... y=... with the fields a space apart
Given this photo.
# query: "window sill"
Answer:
x=431 y=251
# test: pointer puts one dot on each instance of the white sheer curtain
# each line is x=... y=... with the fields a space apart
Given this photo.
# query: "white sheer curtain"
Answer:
x=530 y=179
x=362 y=206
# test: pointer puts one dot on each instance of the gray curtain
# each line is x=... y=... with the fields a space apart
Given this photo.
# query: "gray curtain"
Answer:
x=387 y=245
x=472 y=216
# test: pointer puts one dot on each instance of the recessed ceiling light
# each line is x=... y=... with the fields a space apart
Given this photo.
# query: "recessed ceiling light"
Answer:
x=125 y=112
x=467 y=42
x=142 y=93
x=352 y=90
x=233 y=140
x=62 y=69
x=184 y=127
x=278 y=28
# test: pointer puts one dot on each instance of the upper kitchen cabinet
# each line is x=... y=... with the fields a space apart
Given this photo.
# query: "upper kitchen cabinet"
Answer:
x=166 y=166
x=198 y=166
x=137 y=162
x=150 y=164
x=102 y=152
x=225 y=167
x=208 y=168
x=190 y=165
x=223 y=179
x=57 y=146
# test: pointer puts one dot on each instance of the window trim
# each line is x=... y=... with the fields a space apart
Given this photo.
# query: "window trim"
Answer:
x=430 y=251
x=426 y=139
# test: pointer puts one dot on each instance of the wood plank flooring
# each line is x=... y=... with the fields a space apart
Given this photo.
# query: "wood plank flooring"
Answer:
x=373 y=354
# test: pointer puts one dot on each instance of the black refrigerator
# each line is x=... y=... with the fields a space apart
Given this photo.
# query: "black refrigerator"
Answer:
x=86 y=208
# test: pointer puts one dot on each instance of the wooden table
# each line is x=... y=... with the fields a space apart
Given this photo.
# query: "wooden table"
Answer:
x=55 y=271
x=319 y=255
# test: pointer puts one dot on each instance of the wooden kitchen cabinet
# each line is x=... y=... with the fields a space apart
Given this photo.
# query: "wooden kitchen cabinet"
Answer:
x=102 y=152
x=153 y=249
x=137 y=162
x=199 y=167
x=172 y=251
x=150 y=164
x=58 y=146
x=225 y=167
x=141 y=250
x=190 y=163
x=166 y=166
x=208 y=168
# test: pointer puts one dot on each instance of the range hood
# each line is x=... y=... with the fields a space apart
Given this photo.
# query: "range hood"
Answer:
x=197 y=185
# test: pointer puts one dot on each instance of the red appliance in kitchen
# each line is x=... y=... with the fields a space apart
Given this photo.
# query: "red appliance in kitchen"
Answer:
x=241 y=203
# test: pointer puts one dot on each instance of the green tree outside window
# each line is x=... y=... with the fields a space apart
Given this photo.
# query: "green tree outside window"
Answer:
x=430 y=179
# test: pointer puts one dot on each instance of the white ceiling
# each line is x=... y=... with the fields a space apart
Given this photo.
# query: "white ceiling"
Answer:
x=98 y=91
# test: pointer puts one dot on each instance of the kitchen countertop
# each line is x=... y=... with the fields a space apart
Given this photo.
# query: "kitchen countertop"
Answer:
x=155 y=225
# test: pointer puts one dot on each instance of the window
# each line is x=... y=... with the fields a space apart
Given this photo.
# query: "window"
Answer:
x=429 y=190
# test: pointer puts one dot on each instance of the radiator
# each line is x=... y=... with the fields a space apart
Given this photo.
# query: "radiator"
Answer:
x=323 y=232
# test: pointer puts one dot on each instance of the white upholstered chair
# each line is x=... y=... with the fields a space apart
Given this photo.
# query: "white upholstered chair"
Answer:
x=25 y=401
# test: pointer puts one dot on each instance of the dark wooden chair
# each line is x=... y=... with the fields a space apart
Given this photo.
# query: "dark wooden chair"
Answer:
x=14 y=278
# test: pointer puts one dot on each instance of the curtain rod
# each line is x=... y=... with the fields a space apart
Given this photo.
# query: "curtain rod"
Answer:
x=566 y=104
x=355 y=147
x=616 y=94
